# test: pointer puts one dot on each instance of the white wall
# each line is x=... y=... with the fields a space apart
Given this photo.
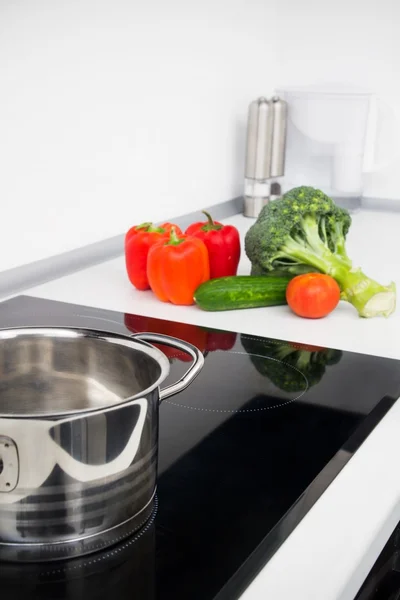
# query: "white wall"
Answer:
x=117 y=111
x=354 y=42
x=113 y=112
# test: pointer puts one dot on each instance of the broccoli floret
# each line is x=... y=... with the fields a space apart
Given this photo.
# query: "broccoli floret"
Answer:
x=306 y=231
x=306 y=361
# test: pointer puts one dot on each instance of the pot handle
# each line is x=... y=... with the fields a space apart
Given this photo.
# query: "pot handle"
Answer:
x=191 y=373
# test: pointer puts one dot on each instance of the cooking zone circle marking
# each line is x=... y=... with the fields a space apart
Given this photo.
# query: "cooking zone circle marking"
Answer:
x=246 y=410
x=245 y=354
x=83 y=563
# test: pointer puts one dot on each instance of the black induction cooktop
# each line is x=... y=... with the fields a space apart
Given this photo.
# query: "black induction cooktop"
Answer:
x=244 y=454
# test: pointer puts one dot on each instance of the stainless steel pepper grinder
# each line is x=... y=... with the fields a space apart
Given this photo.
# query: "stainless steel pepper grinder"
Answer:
x=258 y=157
x=265 y=151
x=278 y=151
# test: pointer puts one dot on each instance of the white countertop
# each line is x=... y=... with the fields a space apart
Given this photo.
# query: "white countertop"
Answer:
x=107 y=286
x=330 y=552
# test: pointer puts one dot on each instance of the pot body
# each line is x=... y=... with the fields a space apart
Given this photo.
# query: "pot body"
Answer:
x=78 y=438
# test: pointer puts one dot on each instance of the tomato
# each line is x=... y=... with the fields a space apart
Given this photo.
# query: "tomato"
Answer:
x=312 y=295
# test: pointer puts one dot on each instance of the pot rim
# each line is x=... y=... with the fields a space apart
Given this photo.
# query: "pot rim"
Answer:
x=108 y=336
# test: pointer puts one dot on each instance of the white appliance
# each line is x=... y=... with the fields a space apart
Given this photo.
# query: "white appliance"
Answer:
x=333 y=139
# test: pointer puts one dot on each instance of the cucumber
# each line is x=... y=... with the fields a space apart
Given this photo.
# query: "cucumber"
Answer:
x=242 y=291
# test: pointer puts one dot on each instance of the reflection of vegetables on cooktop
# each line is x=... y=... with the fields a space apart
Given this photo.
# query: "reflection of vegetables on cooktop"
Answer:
x=310 y=361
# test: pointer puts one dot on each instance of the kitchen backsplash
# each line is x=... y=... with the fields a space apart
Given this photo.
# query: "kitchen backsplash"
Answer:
x=114 y=112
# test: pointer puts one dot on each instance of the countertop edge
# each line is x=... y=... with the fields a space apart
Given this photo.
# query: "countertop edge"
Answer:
x=14 y=281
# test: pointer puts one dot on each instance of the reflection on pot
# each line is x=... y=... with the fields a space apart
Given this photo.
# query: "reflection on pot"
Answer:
x=307 y=361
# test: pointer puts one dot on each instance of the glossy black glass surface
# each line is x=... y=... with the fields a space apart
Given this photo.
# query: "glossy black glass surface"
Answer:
x=244 y=454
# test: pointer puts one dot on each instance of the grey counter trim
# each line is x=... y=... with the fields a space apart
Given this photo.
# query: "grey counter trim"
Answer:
x=381 y=204
x=13 y=281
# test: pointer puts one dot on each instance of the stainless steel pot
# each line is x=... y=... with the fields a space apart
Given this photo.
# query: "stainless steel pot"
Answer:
x=78 y=437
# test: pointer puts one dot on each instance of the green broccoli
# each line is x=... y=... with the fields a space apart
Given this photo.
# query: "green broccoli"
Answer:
x=307 y=361
x=306 y=231
x=289 y=270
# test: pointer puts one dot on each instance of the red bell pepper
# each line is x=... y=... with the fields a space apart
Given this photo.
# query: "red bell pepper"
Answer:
x=220 y=340
x=138 y=242
x=223 y=245
x=176 y=267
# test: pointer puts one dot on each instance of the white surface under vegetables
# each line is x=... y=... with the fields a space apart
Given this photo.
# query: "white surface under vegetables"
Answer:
x=330 y=552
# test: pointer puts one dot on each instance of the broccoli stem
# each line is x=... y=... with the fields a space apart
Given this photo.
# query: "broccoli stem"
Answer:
x=340 y=249
x=316 y=254
x=283 y=351
x=370 y=298
x=303 y=360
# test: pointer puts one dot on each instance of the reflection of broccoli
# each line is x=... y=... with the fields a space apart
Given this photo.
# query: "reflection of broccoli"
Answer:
x=306 y=231
x=308 y=362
